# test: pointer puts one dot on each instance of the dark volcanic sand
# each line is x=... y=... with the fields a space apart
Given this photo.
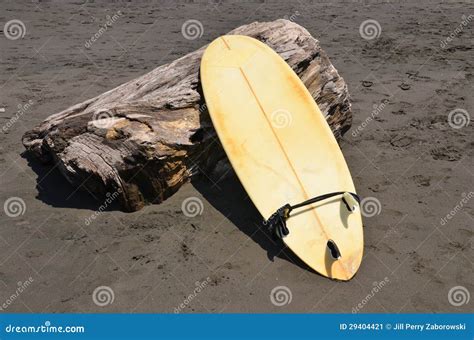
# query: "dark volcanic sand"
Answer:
x=408 y=157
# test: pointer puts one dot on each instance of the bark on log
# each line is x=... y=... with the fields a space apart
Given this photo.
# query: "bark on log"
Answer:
x=147 y=137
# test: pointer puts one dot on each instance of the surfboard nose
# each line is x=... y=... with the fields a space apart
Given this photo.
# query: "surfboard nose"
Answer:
x=230 y=51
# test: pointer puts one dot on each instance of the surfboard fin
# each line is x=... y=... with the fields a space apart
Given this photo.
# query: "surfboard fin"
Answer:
x=350 y=201
x=334 y=250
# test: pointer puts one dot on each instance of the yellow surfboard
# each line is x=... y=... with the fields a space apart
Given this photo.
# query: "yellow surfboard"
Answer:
x=283 y=152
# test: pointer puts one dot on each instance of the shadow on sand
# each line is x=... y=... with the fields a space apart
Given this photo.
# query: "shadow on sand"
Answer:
x=55 y=190
x=227 y=196
x=230 y=198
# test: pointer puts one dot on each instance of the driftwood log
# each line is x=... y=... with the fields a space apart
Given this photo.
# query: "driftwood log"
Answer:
x=147 y=137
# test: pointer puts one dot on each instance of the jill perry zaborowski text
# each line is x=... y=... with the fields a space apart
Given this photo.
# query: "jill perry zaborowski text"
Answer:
x=428 y=327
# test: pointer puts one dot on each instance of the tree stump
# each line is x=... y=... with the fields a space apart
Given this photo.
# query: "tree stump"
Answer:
x=144 y=139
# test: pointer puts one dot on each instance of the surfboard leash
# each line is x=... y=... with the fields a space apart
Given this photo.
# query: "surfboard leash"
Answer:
x=276 y=223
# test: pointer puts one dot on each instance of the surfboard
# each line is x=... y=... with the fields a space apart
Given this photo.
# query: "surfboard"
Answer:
x=283 y=151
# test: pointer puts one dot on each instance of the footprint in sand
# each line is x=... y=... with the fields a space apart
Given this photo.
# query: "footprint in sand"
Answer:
x=399 y=112
x=367 y=83
x=449 y=153
x=401 y=141
x=404 y=86
x=422 y=181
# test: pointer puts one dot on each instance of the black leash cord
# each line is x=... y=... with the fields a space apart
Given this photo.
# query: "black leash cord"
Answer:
x=276 y=223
